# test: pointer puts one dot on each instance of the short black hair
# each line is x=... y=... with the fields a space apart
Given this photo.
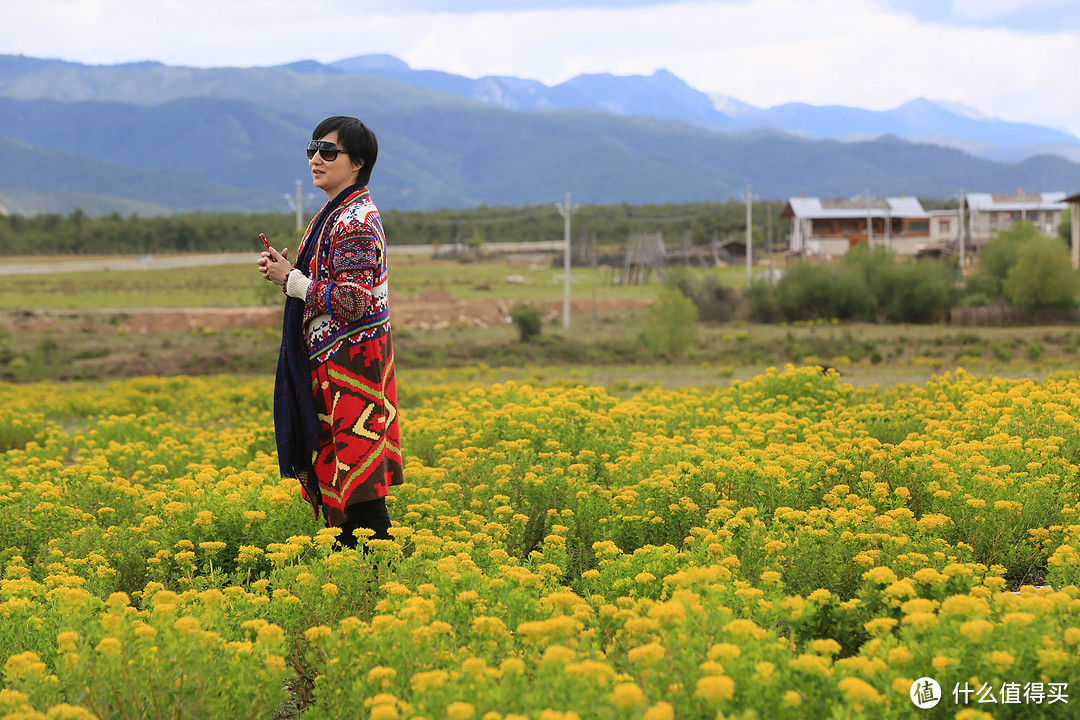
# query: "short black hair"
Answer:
x=356 y=139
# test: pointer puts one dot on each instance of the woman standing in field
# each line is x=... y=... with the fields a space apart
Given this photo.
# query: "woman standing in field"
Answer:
x=335 y=397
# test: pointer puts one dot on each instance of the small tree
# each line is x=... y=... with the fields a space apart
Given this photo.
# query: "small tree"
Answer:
x=672 y=325
x=999 y=255
x=1042 y=276
x=873 y=264
x=714 y=301
x=760 y=300
x=529 y=320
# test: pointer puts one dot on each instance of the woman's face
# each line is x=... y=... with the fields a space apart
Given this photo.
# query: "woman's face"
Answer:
x=332 y=177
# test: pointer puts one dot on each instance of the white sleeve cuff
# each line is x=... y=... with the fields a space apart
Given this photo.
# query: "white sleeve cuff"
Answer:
x=297 y=285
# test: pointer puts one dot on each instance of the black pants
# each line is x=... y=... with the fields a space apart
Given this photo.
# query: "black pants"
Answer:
x=372 y=515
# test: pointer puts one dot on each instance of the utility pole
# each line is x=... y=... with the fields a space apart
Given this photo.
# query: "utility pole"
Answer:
x=960 y=230
x=296 y=202
x=566 y=210
x=869 y=220
x=749 y=236
x=1074 y=219
x=768 y=240
x=592 y=254
x=299 y=205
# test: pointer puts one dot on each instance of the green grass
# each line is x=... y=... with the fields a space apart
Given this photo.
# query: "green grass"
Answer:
x=489 y=279
x=210 y=286
x=233 y=285
x=79 y=336
x=908 y=353
x=72 y=349
x=68 y=350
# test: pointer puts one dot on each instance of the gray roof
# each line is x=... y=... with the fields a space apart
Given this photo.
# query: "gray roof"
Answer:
x=907 y=207
x=1016 y=202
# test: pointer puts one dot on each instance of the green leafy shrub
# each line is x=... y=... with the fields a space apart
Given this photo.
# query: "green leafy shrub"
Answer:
x=868 y=285
x=977 y=298
x=1042 y=276
x=998 y=257
x=761 y=303
x=714 y=301
x=672 y=326
x=915 y=292
x=810 y=291
x=528 y=319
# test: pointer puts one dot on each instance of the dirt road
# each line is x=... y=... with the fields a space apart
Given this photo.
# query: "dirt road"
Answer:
x=38 y=266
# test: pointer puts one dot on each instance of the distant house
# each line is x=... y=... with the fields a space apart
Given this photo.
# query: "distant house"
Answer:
x=829 y=227
x=991 y=212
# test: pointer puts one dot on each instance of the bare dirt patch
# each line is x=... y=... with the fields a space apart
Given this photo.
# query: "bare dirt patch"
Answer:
x=429 y=310
x=142 y=322
x=435 y=309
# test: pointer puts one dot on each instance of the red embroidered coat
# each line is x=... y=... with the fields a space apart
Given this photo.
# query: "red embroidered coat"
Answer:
x=347 y=326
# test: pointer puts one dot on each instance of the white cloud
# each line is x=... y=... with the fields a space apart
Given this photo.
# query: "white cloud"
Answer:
x=865 y=53
x=1038 y=16
x=989 y=11
x=471 y=6
x=774 y=51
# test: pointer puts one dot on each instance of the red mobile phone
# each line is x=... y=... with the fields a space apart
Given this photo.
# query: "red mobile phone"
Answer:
x=266 y=243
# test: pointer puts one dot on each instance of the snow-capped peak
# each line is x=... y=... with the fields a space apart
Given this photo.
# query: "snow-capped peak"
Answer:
x=730 y=106
x=960 y=109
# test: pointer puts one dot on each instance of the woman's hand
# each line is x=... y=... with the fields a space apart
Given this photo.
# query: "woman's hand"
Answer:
x=275 y=266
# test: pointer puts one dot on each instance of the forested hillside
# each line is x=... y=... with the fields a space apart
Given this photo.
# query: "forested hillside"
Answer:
x=154 y=139
x=78 y=233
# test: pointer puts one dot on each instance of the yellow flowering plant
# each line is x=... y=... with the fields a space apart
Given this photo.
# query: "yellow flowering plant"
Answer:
x=559 y=551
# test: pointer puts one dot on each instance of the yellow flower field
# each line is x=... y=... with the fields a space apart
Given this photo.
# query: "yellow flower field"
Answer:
x=789 y=547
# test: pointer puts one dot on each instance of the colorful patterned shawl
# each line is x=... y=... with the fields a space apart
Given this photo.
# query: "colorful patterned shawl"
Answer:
x=295 y=421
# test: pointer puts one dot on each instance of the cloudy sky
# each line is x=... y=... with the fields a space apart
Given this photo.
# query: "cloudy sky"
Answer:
x=1012 y=59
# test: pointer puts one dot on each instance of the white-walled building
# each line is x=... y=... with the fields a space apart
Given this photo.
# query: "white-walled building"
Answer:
x=991 y=212
x=829 y=227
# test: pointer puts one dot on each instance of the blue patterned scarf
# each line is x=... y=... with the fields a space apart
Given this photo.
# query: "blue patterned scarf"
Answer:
x=295 y=421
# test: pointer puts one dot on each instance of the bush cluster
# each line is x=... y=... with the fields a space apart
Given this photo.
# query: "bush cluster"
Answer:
x=529 y=320
x=672 y=325
x=868 y=285
x=714 y=301
x=1024 y=268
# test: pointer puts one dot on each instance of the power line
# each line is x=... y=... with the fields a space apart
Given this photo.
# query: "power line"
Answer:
x=659 y=219
x=629 y=217
x=544 y=211
x=493 y=220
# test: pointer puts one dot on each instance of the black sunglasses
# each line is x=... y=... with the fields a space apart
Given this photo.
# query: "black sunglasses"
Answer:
x=328 y=150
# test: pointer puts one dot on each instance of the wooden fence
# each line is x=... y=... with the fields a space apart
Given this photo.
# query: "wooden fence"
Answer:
x=1002 y=315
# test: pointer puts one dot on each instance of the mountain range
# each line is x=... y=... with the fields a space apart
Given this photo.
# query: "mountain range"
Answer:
x=149 y=138
x=664 y=95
